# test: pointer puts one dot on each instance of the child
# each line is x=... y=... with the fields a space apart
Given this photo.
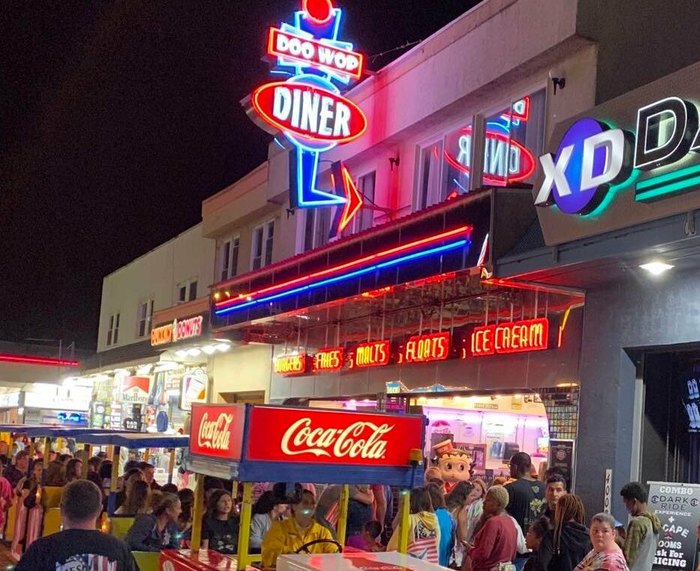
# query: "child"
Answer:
x=368 y=540
x=533 y=539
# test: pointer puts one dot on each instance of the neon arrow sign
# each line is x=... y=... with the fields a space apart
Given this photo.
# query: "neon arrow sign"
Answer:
x=307 y=106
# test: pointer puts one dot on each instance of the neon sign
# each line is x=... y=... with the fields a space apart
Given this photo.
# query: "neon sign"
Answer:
x=291 y=364
x=592 y=156
x=513 y=337
x=505 y=159
x=426 y=348
x=371 y=354
x=393 y=257
x=177 y=331
x=329 y=360
x=308 y=108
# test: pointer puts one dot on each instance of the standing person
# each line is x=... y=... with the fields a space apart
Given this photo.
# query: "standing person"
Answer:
x=20 y=469
x=457 y=505
x=555 y=488
x=447 y=523
x=220 y=525
x=569 y=540
x=525 y=496
x=475 y=508
x=643 y=530
x=497 y=540
x=606 y=555
x=533 y=541
x=423 y=530
x=158 y=530
x=328 y=508
x=79 y=545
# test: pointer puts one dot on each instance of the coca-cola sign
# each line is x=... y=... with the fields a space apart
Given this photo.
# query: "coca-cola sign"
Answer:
x=217 y=431
x=279 y=434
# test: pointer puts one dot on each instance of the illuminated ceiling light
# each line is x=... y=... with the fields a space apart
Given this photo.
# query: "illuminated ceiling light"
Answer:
x=222 y=346
x=217 y=295
x=194 y=352
x=209 y=349
x=181 y=353
x=656 y=268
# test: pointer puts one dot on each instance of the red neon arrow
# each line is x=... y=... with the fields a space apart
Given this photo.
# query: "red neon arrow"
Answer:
x=353 y=200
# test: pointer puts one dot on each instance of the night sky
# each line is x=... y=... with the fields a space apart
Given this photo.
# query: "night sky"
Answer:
x=118 y=118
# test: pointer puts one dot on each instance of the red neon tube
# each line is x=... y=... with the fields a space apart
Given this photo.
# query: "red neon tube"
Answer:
x=328 y=272
x=8 y=358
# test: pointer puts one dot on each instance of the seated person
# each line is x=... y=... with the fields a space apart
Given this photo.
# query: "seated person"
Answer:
x=220 y=524
x=158 y=530
x=369 y=539
x=289 y=535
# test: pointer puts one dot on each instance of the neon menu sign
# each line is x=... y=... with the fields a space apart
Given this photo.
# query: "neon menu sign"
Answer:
x=426 y=348
x=308 y=107
x=371 y=354
x=505 y=159
x=512 y=337
x=291 y=364
x=328 y=360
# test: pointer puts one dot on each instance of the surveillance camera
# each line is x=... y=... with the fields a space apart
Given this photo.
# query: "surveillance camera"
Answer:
x=557 y=73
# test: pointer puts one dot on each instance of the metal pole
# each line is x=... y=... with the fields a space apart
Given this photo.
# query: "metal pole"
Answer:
x=404 y=512
x=197 y=510
x=244 y=529
x=343 y=513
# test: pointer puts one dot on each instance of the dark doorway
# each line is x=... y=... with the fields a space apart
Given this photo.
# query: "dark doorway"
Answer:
x=670 y=443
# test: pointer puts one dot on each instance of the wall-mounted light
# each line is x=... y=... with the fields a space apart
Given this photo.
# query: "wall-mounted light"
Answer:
x=558 y=77
x=656 y=268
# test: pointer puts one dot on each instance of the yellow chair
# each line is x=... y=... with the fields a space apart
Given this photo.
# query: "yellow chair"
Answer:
x=52 y=521
x=51 y=496
x=119 y=526
x=10 y=522
x=147 y=561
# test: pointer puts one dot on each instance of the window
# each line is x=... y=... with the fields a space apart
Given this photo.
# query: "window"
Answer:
x=364 y=219
x=263 y=237
x=145 y=318
x=187 y=291
x=228 y=258
x=513 y=139
x=113 y=330
x=431 y=189
x=317 y=227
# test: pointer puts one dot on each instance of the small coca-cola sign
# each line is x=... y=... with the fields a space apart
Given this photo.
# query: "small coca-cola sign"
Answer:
x=279 y=434
x=217 y=431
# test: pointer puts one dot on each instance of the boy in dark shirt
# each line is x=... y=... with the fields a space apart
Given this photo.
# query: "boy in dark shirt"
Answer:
x=79 y=545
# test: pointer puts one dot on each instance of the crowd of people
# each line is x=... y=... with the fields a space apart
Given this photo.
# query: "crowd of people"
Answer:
x=520 y=523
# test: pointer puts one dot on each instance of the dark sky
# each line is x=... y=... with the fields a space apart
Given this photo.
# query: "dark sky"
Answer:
x=118 y=118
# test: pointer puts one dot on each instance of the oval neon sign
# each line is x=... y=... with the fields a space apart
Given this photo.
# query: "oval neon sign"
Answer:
x=309 y=112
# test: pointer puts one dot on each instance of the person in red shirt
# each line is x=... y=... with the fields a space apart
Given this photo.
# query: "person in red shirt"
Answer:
x=497 y=540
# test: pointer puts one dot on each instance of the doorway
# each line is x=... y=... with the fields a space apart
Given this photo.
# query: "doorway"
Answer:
x=671 y=424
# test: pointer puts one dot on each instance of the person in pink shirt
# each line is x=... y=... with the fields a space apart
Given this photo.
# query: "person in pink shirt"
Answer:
x=368 y=540
x=497 y=540
x=5 y=497
x=606 y=555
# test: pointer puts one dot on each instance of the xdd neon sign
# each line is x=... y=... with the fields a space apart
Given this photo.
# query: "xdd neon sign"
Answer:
x=308 y=107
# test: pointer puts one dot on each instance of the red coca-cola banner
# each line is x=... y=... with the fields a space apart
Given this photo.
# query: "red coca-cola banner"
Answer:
x=217 y=431
x=332 y=437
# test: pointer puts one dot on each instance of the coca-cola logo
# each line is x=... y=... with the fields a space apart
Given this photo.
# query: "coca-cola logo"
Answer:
x=215 y=434
x=361 y=439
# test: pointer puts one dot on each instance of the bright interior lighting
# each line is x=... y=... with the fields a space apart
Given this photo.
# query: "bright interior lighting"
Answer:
x=181 y=353
x=209 y=349
x=194 y=352
x=223 y=346
x=656 y=268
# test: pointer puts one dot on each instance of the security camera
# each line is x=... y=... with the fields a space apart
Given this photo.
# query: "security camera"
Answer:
x=558 y=77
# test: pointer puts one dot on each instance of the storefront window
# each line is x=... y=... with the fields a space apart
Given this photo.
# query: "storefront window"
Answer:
x=514 y=137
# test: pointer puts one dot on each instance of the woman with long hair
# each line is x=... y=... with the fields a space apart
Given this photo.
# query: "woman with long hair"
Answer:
x=423 y=531
x=475 y=508
x=220 y=524
x=457 y=504
x=570 y=537
x=56 y=474
x=184 y=521
x=74 y=469
x=137 y=500
x=158 y=530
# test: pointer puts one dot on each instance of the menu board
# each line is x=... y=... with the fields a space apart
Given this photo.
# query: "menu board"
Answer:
x=561 y=457
x=678 y=508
